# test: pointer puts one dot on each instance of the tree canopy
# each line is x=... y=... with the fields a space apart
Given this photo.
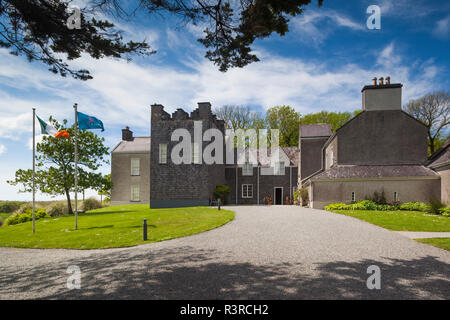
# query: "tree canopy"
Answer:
x=433 y=109
x=38 y=28
x=55 y=166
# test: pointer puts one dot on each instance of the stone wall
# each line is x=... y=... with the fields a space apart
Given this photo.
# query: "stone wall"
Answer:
x=409 y=190
x=382 y=137
x=123 y=180
x=185 y=184
x=267 y=183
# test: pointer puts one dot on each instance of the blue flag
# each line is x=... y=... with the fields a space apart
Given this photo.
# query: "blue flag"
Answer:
x=88 y=122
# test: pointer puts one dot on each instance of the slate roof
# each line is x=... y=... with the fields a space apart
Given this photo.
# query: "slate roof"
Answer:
x=288 y=155
x=396 y=171
x=138 y=145
x=315 y=130
x=440 y=157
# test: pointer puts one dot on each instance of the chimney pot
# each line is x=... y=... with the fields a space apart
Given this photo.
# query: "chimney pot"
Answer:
x=374 y=81
x=381 y=81
x=388 y=80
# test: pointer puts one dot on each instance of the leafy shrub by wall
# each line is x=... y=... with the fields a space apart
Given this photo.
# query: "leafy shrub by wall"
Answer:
x=58 y=209
x=26 y=216
x=91 y=204
x=222 y=192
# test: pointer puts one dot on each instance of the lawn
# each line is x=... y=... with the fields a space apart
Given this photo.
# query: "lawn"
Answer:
x=402 y=220
x=443 y=243
x=117 y=226
x=5 y=215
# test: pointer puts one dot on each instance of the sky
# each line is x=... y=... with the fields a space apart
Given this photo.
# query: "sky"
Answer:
x=321 y=64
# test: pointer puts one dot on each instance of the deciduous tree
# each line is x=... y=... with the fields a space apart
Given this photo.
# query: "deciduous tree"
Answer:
x=433 y=110
x=55 y=165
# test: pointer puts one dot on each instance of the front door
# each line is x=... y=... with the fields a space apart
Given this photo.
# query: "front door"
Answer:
x=278 y=196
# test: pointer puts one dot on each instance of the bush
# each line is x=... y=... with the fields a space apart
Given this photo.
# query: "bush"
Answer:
x=91 y=204
x=378 y=198
x=222 y=192
x=9 y=206
x=445 y=211
x=304 y=196
x=26 y=216
x=415 y=206
x=58 y=209
x=361 y=205
x=336 y=206
x=24 y=207
x=1 y=221
x=435 y=206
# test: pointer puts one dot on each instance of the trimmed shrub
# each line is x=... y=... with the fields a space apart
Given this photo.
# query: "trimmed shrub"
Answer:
x=9 y=206
x=415 y=206
x=26 y=216
x=1 y=221
x=222 y=192
x=91 y=204
x=361 y=205
x=58 y=209
x=336 y=206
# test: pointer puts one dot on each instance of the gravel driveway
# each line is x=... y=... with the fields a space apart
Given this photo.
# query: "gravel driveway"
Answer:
x=277 y=252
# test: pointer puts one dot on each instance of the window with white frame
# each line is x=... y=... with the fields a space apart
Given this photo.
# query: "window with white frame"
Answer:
x=162 y=153
x=396 y=196
x=135 y=165
x=353 y=196
x=247 y=191
x=247 y=169
x=135 y=192
x=195 y=153
x=279 y=169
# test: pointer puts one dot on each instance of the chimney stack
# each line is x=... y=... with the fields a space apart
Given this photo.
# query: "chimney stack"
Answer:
x=382 y=96
x=127 y=134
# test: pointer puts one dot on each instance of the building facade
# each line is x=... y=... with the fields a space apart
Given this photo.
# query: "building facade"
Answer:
x=130 y=170
x=440 y=162
x=382 y=149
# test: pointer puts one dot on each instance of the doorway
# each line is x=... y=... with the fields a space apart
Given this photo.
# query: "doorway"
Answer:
x=278 y=196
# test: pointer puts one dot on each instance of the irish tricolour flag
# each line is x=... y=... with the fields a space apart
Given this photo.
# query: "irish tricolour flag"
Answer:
x=50 y=130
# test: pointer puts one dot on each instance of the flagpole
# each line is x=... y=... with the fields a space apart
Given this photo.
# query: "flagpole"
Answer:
x=75 y=106
x=34 y=165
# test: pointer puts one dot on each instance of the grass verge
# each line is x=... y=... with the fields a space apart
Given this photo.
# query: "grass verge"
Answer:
x=111 y=227
x=443 y=243
x=402 y=220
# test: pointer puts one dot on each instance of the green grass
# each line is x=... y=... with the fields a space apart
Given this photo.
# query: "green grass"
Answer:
x=117 y=226
x=5 y=215
x=402 y=220
x=443 y=243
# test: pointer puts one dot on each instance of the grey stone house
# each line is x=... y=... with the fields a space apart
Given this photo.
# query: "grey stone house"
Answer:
x=193 y=184
x=381 y=149
x=440 y=162
x=130 y=169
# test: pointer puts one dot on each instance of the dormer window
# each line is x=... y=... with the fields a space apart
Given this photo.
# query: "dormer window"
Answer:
x=279 y=168
x=247 y=169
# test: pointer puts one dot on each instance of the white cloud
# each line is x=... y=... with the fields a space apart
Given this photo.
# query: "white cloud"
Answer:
x=442 y=28
x=316 y=25
x=388 y=58
x=2 y=148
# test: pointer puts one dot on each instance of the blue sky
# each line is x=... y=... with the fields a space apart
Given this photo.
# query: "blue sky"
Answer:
x=321 y=64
